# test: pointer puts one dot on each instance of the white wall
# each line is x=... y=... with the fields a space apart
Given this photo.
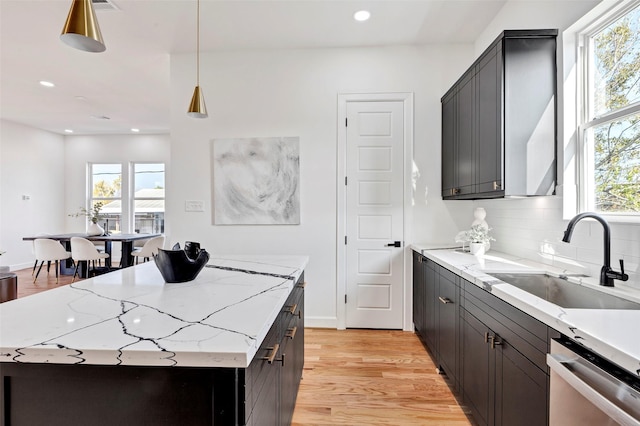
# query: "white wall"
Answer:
x=294 y=93
x=32 y=163
x=533 y=228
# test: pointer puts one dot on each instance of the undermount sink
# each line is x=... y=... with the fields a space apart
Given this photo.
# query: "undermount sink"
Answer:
x=563 y=293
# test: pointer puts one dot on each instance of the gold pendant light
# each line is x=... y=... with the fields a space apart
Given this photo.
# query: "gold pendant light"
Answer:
x=81 y=30
x=197 y=107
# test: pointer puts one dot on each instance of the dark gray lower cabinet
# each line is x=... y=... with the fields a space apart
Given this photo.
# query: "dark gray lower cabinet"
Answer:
x=436 y=312
x=273 y=378
x=478 y=370
x=448 y=302
x=493 y=353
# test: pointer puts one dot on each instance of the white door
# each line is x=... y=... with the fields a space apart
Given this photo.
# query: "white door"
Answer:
x=374 y=215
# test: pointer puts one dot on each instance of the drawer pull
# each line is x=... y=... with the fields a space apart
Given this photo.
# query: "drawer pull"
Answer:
x=486 y=337
x=292 y=310
x=273 y=351
x=445 y=300
x=291 y=332
x=495 y=186
x=495 y=341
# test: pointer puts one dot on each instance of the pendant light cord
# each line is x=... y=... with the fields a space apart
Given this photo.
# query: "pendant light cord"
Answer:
x=198 y=46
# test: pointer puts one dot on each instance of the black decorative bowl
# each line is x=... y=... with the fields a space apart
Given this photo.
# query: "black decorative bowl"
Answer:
x=176 y=267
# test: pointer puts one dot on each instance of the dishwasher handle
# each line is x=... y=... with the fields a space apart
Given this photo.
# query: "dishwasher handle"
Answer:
x=557 y=365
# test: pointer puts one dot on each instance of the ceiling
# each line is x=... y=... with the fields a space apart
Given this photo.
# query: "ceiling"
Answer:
x=129 y=83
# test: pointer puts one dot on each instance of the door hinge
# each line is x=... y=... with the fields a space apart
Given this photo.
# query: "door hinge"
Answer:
x=345 y=122
x=345 y=298
x=345 y=180
x=345 y=240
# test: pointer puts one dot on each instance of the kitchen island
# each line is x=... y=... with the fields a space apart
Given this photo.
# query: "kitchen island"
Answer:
x=127 y=348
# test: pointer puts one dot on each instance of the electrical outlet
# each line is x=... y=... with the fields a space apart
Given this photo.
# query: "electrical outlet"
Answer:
x=194 y=206
x=26 y=197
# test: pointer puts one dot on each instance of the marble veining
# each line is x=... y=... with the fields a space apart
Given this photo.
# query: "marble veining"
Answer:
x=132 y=317
x=611 y=333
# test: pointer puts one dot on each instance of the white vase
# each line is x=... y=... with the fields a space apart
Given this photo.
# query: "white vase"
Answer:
x=94 y=229
x=476 y=248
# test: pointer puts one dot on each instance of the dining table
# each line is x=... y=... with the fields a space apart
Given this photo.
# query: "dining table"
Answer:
x=127 y=240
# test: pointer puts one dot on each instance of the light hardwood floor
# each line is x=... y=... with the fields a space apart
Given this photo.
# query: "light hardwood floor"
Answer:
x=45 y=281
x=351 y=377
x=372 y=377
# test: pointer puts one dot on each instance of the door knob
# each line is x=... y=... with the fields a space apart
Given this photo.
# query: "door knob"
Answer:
x=395 y=244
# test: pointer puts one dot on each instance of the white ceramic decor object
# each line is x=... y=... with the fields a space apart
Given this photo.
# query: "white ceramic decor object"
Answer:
x=94 y=229
x=479 y=215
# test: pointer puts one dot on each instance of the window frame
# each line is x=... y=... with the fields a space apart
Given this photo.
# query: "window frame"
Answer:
x=90 y=185
x=584 y=152
x=132 y=198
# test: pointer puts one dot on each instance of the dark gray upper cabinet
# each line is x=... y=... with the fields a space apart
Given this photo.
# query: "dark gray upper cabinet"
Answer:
x=499 y=121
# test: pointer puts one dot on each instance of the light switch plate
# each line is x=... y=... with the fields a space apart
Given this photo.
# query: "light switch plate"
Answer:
x=194 y=206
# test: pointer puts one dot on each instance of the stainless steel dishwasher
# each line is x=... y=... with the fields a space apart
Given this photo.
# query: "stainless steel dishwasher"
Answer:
x=589 y=390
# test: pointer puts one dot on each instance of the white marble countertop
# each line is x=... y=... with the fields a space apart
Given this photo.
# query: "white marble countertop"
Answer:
x=132 y=317
x=613 y=334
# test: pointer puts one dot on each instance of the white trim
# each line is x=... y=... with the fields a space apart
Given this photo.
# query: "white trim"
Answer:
x=321 y=322
x=341 y=289
x=571 y=163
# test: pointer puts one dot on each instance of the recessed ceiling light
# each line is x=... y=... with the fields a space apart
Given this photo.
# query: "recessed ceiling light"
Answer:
x=135 y=130
x=361 y=15
x=47 y=83
x=68 y=131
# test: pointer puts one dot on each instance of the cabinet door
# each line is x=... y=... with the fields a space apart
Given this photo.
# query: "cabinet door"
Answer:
x=521 y=390
x=267 y=405
x=292 y=360
x=431 y=296
x=478 y=369
x=449 y=163
x=489 y=143
x=447 y=325
x=418 y=294
x=466 y=124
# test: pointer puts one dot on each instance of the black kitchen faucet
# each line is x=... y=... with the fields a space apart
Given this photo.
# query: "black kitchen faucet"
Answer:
x=607 y=275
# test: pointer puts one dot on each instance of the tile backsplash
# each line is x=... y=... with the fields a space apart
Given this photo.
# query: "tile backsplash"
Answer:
x=533 y=228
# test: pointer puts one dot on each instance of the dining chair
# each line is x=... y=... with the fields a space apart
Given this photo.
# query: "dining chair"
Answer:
x=149 y=248
x=33 y=251
x=47 y=250
x=83 y=250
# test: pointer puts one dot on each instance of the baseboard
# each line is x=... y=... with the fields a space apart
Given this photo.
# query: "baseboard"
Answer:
x=321 y=322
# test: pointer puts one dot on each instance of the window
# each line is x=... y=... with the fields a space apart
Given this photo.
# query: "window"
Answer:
x=139 y=209
x=148 y=197
x=106 y=189
x=610 y=127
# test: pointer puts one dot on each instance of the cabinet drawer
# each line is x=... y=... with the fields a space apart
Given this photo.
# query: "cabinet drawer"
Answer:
x=523 y=332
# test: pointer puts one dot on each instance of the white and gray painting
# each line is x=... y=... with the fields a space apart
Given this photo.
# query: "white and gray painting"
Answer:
x=256 y=181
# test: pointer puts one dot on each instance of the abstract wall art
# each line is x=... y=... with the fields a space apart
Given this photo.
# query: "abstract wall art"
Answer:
x=256 y=181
